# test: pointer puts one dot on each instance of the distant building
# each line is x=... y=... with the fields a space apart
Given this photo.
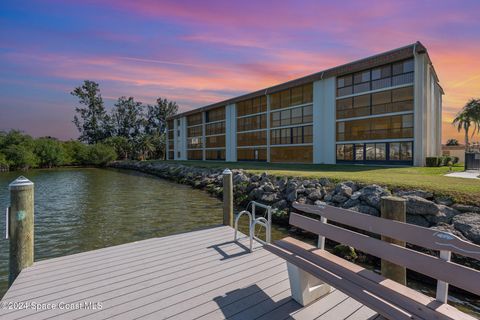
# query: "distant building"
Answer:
x=384 y=109
x=454 y=151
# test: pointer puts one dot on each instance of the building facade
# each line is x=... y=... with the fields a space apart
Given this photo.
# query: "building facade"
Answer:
x=384 y=109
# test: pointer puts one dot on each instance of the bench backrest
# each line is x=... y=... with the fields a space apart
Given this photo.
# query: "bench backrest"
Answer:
x=439 y=268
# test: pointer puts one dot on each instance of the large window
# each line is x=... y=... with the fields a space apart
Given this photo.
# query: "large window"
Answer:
x=396 y=100
x=291 y=117
x=392 y=127
x=215 y=141
x=252 y=123
x=252 y=106
x=254 y=138
x=217 y=154
x=292 y=97
x=194 y=119
x=394 y=74
x=194 y=155
x=215 y=128
x=293 y=154
x=215 y=114
x=195 y=131
x=252 y=154
x=194 y=143
x=401 y=152
x=295 y=135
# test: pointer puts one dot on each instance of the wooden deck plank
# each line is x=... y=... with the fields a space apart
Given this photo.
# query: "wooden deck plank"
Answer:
x=150 y=299
x=136 y=250
x=342 y=310
x=236 y=301
x=179 y=256
x=130 y=281
x=197 y=275
x=363 y=313
x=319 y=307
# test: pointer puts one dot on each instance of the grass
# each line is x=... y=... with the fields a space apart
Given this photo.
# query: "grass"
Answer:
x=465 y=191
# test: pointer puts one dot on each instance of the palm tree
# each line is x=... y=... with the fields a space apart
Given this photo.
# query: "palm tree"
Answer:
x=468 y=118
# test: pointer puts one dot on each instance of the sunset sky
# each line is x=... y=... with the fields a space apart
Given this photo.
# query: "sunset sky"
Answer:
x=200 y=52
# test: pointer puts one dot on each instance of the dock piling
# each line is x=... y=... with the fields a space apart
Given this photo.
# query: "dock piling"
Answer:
x=227 y=198
x=20 y=226
x=394 y=208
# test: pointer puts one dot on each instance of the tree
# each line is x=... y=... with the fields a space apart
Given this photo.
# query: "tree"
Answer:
x=145 y=146
x=20 y=156
x=468 y=118
x=158 y=114
x=92 y=120
x=156 y=123
x=75 y=152
x=49 y=152
x=100 y=154
x=127 y=118
x=452 y=142
x=122 y=146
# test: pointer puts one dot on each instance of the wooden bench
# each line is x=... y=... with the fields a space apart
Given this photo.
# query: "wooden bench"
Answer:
x=313 y=270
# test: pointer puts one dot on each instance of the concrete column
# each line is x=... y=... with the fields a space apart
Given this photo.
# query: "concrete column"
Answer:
x=21 y=226
x=420 y=101
x=268 y=128
x=394 y=208
x=231 y=133
x=324 y=125
x=227 y=198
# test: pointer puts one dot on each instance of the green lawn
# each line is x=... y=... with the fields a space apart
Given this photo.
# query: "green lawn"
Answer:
x=431 y=179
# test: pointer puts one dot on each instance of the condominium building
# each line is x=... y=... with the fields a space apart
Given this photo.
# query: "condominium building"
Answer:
x=384 y=109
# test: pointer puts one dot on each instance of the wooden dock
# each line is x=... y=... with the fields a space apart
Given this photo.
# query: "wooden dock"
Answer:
x=195 y=275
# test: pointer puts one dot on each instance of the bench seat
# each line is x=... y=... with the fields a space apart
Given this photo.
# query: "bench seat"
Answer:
x=387 y=297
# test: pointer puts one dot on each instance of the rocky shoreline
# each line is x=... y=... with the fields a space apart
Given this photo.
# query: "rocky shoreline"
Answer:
x=423 y=208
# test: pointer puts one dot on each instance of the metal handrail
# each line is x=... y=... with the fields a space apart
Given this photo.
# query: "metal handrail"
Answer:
x=253 y=221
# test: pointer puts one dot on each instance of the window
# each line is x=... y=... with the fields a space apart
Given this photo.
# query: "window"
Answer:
x=370 y=151
x=395 y=74
x=296 y=116
x=215 y=114
x=380 y=151
x=295 y=135
x=252 y=154
x=359 y=152
x=194 y=119
x=394 y=151
x=406 y=151
x=285 y=118
x=297 y=96
x=252 y=138
x=307 y=114
x=252 y=123
x=252 y=106
x=402 y=94
x=291 y=116
x=292 y=97
x=345 y=152
x=215 y=128
x=285 y=99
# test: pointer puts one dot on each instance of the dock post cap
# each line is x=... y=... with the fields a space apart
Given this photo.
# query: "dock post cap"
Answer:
x=20 y=182
x=393 y=198
x=227 y=171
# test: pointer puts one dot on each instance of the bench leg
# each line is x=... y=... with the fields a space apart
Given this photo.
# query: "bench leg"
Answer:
x=305 y=287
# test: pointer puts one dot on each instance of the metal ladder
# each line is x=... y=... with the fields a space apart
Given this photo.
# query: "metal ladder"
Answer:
x=266 y=222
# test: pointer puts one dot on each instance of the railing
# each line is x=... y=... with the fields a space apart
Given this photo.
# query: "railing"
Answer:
x=265 y=221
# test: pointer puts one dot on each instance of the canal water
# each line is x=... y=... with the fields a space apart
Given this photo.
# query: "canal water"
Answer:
x=82 y=209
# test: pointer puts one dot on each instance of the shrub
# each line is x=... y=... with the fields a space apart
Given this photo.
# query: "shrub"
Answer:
x=455 y=160
x=100 y=154
x=433 y=161
x=446 y=160
x=20 y=157
x=49 y=152
x=3 y=163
